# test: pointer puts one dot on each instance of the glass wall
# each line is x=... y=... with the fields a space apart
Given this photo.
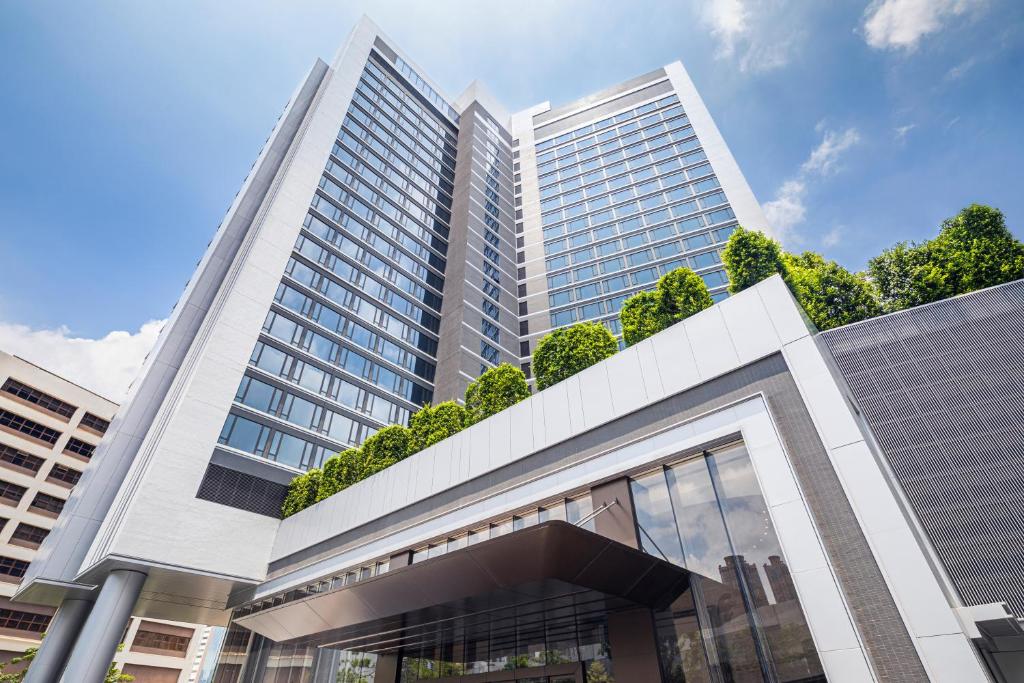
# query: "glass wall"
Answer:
x=708 y=515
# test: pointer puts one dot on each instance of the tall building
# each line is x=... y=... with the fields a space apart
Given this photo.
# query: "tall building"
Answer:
x=388 y=245
x=49 y=428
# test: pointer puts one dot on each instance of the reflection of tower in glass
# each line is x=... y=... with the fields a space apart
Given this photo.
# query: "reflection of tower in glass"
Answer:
x=779 y=579
x=753 y=579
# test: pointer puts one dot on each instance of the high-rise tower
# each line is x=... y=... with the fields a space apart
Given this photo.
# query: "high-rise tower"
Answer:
x=388 y=245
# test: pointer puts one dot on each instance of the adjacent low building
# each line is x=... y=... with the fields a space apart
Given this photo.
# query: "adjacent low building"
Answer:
x=49 y=428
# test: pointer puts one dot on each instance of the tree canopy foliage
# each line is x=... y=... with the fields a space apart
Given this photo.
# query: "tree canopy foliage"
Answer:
x=749 y=257
x=569 y=350
x=678 y=295
x=973 y=250
x=498 y=388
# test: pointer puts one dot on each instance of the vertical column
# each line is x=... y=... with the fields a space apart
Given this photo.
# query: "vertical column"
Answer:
x=389 y=667
x=60 y=637
x=631 y=634
x=97 y=643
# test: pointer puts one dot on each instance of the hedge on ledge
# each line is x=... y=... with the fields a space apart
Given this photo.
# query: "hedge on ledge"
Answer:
x=569 y=350
x=495 y=390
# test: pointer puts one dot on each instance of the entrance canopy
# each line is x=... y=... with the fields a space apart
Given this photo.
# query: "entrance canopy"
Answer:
x=554 y=563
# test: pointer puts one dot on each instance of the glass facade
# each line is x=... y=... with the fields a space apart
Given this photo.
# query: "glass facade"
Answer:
x=350 y=342
x=741 y=619
x=624 y=201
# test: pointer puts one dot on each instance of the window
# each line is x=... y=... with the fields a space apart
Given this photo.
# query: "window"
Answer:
x=48 y=503
x=38 y=398
x=97 y=424
x=79 y=447
x=27 y=533
x=24 y=621
x=490 y=309
x=491 y=331
x=491 y=254
x=27 y=427
x=64 y=474
x=491 y=291
x=10 y=566
x=11 y=493
x=524 y=348
x=707 y=259
x=488 y=352
x=161 y=641
x=13 y=456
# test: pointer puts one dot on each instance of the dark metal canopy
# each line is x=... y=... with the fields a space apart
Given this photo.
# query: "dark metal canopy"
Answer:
x=554 y=563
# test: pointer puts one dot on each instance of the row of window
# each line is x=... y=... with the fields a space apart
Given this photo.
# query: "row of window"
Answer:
x=443 y=129
x=328 y=257
x=375 y=152
x=258 y=439
x=346 y=578
x=349 y=360
x=439 y=156
x=572 y=510
x=627 y=207
x=38 y=398
x=354 y=237
x=625 y=135
x=355 y=280
x=647 y=276
x=414 y=134
x=689 y=224
x=651 y=138
x=304 y=413
x=606 y=251
x=636 y=259
x=12 y=493
x=18 y=458
x=394 y=186
x=665 y=175
x=425 y=89
x=652 y=214
x=603 y=124
x=272 y=360
x=489 y=158
x=24 y=621
x=32 y=535
x=28 y=427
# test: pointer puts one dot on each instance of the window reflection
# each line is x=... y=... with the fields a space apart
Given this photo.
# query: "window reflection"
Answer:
x=708 y=515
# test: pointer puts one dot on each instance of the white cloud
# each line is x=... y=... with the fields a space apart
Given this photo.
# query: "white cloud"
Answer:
x=901 y=131
x=832 y=237
x=760 y=33
x=788 y=209
x=901 y=24
x=106 y=366
x=961 y=69
x=824 y=157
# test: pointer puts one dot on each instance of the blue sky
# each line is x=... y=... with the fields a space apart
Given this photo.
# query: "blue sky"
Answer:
x=128 y=126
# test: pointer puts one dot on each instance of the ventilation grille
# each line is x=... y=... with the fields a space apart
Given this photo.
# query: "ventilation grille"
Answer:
x=242 y=491
x=942 y=387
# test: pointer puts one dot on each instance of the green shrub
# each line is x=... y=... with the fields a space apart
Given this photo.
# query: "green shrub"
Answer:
x=431 y=424
x=569 y=350
x=493 y=391
x=302 y=492
x=641 y=317
x=678 y=295
x=749 y=257
x=831 y=295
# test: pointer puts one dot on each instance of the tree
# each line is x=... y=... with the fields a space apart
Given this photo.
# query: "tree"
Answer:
x=678 y=295
x=830 y=294
x=431 y=424
x=681 y=293
x=640 y=317
x=973 y=250
x=749 y=257
x=383 y=449
x=569 y=350
x=339 y=472
x=114 y=674
x=496 y=389
x=302 y=492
